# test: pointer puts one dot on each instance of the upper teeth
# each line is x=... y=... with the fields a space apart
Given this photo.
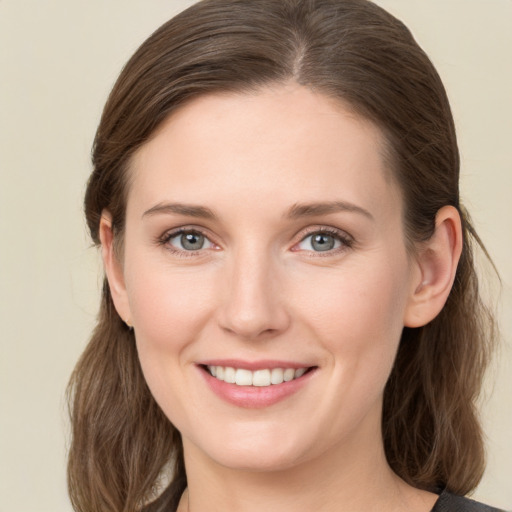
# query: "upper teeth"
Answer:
x=242 y=377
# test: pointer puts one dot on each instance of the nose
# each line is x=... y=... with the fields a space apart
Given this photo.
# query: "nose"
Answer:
x=253 y=301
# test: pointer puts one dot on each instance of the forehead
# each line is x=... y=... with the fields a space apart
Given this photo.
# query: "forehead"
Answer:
x=281 y=141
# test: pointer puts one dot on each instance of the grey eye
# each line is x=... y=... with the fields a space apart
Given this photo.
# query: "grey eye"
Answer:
x=190 y=241
x=320 y=242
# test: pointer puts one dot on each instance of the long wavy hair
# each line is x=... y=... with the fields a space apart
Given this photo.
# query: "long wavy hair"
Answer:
x=125 y=455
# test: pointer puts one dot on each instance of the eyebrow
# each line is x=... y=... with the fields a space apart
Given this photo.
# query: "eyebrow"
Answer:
x=311 y=209
x=181 y=209
x=298 y=210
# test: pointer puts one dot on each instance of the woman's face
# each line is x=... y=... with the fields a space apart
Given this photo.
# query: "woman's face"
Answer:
x=264 y=239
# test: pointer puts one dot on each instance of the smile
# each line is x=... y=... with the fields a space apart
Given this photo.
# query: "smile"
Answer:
x=258 y=378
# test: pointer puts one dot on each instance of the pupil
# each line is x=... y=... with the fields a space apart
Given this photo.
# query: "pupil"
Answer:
x=322 y=242
x=192 y=241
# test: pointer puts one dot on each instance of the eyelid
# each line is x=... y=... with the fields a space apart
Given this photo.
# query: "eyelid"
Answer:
x=168 y=235
x=347 y=241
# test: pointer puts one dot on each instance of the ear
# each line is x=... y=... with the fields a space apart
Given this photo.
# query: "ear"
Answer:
x=436 y=262
x=113 y=268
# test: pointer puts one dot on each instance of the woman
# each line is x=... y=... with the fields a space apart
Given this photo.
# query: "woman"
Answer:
x=290 y=315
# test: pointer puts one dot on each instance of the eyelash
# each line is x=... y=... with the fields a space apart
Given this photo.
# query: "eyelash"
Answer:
x=346 y=241
x=167 y=237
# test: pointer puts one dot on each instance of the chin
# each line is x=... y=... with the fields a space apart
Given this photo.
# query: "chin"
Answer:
x=260 y=454
x=247 y=460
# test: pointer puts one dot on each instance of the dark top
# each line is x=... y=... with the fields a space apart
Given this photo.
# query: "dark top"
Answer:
x=450 y=503
x=446 y=503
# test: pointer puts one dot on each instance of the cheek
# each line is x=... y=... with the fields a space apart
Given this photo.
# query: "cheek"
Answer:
x=358 y=316
x=357 y=302
x=169 y=310
x=167 y=307
x=358 y=319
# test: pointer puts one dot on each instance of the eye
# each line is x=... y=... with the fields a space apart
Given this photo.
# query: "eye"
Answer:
x=324 y=241
x=188 y=240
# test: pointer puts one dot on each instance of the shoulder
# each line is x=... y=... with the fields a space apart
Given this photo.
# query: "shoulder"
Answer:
x=448 y=502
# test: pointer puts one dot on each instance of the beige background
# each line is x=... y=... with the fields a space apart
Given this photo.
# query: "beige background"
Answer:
x=58 y=60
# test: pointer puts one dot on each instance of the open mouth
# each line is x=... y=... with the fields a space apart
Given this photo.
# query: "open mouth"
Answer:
x=258 y=378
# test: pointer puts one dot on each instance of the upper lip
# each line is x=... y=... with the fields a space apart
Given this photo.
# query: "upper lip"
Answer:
x=254 y=365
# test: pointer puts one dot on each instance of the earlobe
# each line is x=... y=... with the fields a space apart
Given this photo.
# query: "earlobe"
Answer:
x=113 y=268
x=436 y=261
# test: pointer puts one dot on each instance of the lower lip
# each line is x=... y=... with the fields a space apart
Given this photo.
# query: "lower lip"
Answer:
x=255 y=397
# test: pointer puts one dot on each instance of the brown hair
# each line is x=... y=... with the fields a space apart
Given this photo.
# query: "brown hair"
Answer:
x=352 y=50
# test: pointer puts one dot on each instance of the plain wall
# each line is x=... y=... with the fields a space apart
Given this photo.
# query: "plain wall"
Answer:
x=58 y=61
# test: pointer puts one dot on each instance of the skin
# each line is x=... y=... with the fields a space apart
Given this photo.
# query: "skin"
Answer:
x=258 y=289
